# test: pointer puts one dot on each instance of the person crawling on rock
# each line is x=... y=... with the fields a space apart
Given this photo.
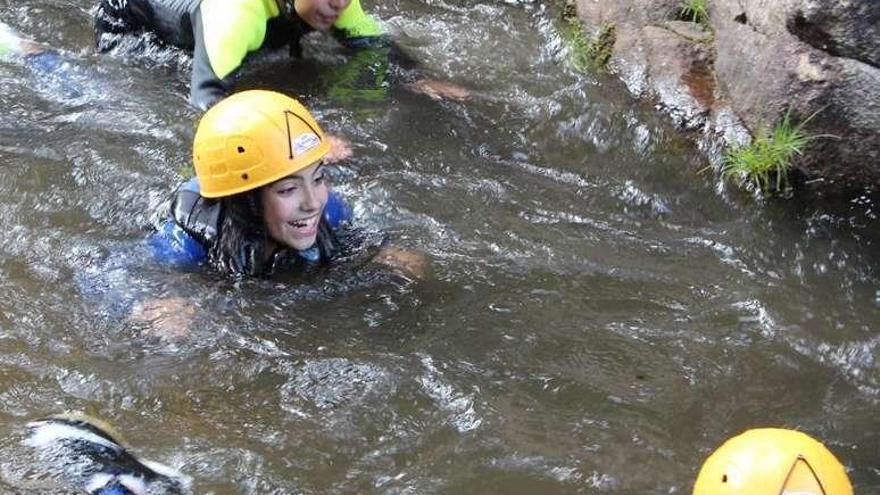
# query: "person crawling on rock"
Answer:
x=222 y=33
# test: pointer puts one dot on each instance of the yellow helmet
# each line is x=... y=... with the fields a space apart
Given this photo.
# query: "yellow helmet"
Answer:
x=772 y=461
x=254 y=138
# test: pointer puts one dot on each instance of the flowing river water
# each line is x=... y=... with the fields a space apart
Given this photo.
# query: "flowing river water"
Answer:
x=597 y=315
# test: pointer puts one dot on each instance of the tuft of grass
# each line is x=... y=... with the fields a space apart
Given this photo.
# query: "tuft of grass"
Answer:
x=695 y=10
x=586 y=53
x=600 y=48
x=768 y=157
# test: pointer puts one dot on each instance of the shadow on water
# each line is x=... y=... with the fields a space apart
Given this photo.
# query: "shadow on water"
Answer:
x=597 y=315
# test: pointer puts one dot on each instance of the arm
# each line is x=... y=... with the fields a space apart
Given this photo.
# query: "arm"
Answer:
x=169 y=317
x=223 y=35
x=13 y=44
x=407 y=264
x=39 y=58
x=172 y=245
x=9 y=41
x=114 y=286
x=111 y=286
x=181 y=240
x=355 y=29
x=378 y=63
x=206 y=88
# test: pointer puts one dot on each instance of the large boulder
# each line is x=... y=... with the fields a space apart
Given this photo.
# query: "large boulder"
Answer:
x=757 y=60
x=671 y=61
x=637 y=13
x=849 y=29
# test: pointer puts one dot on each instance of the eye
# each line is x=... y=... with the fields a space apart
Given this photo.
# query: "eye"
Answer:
x=320 y=178
x=286 y=190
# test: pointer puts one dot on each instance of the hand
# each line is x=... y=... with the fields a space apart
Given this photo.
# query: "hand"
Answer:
x=340 y=149
x=168 y=318
x=18 y=45
x=30 y=48
x=439 y=90
x=408 y=264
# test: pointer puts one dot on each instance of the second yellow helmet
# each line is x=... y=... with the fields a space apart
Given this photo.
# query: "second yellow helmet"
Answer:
x=254 y=138
x=772 y=461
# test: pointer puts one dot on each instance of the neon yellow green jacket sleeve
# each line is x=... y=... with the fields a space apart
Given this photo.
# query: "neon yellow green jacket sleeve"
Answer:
x=355 y=23
x=232 y=29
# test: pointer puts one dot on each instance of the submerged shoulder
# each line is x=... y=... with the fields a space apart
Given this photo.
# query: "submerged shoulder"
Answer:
x=337 y=211
x=194 y=213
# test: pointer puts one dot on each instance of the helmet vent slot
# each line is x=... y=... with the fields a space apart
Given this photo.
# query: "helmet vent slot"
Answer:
x=241 y=149
x=724 y=478
x=244 y=176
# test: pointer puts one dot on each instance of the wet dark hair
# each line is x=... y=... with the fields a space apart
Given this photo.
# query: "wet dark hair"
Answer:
x=242 y=234
x=242 y=237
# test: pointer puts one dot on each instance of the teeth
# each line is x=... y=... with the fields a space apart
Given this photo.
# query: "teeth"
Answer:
x=303 y=223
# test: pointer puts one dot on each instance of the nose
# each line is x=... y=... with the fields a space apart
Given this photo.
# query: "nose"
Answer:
x=310 y=200
x=338 y=4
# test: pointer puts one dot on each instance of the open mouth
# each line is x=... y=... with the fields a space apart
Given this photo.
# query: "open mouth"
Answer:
x=305 y=227
x=327 y=20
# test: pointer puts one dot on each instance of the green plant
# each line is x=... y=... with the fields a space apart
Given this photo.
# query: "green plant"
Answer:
x=768 y=156
x=584 y=52
x=695 y=10
x=600 y=49
x=568 y=11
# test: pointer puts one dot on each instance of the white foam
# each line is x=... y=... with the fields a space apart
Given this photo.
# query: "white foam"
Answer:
x=45 y=433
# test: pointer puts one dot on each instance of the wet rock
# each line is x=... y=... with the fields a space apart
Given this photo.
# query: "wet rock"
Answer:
x=849 y=29
x=635 y=13
x=657 y=56
x=689 y=30
x=676 y=68
x=753 y=62
x=764 y=70
x=725 y=128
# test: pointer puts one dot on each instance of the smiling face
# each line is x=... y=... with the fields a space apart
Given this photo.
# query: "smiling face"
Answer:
x=292 y=207
x=320 y=14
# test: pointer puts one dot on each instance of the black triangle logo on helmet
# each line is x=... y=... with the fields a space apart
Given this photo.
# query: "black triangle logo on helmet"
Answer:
x=303 y=142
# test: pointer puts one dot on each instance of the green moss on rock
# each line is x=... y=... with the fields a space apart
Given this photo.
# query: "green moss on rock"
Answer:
x=585 y=53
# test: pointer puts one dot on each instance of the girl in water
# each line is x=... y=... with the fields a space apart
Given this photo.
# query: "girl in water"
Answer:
x=261 y=202
x=261 y=198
